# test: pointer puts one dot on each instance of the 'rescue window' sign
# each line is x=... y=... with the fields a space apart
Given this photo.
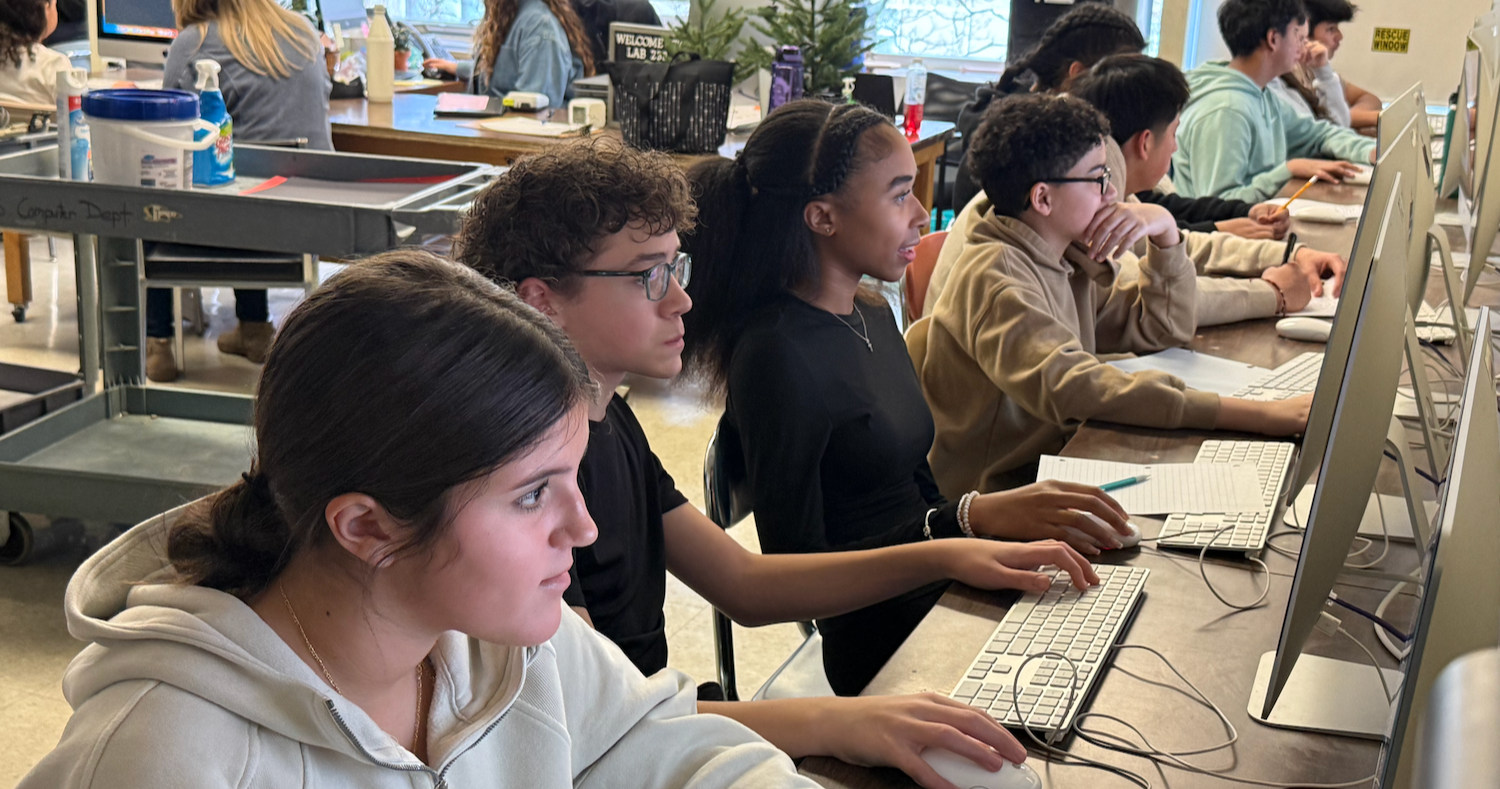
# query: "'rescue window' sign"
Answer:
x=1392 y=39
x=637 y=43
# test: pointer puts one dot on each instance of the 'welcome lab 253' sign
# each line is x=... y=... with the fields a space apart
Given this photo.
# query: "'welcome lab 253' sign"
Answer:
x=637 y=43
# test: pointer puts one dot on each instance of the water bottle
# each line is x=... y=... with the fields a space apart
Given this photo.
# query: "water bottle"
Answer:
x=786 y=77
x=380 y=60
x=916 y=96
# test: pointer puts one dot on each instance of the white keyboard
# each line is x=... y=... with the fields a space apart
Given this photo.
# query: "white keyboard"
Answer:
x=1272 y=461
x=1082 y=625
x=1297 y=377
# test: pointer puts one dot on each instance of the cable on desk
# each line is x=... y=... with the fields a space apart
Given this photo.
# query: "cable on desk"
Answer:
x=1384 y=688
x=1377 y=618
x=1203 y=570
x=1400 y=652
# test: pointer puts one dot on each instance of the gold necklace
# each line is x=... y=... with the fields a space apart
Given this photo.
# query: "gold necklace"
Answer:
x=416 y=735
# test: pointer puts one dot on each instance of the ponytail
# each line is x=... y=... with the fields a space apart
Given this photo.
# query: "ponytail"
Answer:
x=1087 y=34
x=234 y=541
x=751 y=245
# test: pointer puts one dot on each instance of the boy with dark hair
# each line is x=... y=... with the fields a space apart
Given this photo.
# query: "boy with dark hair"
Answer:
x=588 y=234
x=1008 y=358
x=1314 y=89
x=1240 y=140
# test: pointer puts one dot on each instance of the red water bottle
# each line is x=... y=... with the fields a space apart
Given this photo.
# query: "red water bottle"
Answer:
x=916 y=96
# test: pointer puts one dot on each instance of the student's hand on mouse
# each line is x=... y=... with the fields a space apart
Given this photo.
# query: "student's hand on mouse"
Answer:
x=989 y=564
x=446 y=66
x=1318 y=266
x=1328 y=170
x=1314 y=54
x=1281 y=418
x=1118 y=226
x=1245 y=227
x=1039 y=511
x=892 y=731
x=1271 y=214
x=1292 y=283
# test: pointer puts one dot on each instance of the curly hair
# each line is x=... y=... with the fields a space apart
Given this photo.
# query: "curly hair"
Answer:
x=1026 y=139
x=22 y=25
x=499 y=15
x=545 y=217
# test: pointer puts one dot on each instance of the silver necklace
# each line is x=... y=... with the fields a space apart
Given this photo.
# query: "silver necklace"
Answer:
x=863 y=335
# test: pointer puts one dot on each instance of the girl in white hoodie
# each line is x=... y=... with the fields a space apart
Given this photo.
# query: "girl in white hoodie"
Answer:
x=379 y=602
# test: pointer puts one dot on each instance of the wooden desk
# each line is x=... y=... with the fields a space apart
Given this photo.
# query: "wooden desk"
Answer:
x=1216 y=647
x=406 y=127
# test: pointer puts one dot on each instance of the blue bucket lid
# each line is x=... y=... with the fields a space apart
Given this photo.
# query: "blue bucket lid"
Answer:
x=141 y=105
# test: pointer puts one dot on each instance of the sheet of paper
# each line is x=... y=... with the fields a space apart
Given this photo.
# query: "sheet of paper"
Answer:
x=1303 y=205
x=1197 y=370
x=512 y=124
x=1324 y=306
x=1173 y=487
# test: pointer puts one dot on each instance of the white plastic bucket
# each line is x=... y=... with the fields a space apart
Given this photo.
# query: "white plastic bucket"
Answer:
x=145 y=137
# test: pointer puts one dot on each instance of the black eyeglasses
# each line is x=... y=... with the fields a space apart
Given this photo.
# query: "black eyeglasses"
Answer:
x=1102 y=180
x=657 y=280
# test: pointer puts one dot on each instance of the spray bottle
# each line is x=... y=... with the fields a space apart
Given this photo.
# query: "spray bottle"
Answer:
x=74 y=149
x=213 y=166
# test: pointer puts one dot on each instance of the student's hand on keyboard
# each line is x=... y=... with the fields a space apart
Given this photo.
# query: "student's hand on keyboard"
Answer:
x=1039 y=511
x=1276 y=418
x=1318 y=266
x=1118 y=226
x=880 y=731
x=1012 y=565
x=1292 y=284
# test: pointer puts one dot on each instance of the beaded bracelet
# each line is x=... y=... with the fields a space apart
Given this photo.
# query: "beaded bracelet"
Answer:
x=927 y=524
x=963 y=512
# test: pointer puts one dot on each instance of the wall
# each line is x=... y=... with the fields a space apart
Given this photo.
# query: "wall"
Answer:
x=1438 y=29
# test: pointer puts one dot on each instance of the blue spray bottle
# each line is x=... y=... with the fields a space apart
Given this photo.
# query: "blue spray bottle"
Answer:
x=214 y=166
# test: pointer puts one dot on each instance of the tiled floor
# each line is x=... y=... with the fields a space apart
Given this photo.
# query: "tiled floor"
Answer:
x=34 y=642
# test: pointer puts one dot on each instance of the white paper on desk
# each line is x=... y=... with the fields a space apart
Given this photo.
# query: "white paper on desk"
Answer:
x=1173 y=487
x=1346 y=210
x=1197 y=370
x=533 y=127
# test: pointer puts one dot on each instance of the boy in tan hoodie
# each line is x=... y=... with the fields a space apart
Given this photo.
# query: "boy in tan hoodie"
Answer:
x=1008 y=358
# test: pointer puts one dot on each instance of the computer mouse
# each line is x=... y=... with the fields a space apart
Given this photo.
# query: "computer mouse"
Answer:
x=1320 y=213
x=967 y=775
x=1362 y=178
x=1126 y=540
x=1304 y=329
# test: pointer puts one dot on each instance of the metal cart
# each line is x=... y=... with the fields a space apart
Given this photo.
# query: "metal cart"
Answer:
x=126 y=451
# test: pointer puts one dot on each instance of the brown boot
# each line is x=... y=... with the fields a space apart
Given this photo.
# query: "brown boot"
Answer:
x=250 y=339
x=161 y=362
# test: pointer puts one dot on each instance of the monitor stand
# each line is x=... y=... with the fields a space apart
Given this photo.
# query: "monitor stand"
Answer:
x=1327 y=696
x=1397 y=522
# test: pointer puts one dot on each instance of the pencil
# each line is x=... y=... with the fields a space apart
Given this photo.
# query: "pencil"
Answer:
x=1288 y=203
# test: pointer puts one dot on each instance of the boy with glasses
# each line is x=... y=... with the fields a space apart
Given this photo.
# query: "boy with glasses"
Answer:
x=1008 y=360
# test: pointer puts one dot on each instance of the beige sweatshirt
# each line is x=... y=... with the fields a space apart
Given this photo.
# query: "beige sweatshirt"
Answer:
x=1228 y=266
x=1008 y=358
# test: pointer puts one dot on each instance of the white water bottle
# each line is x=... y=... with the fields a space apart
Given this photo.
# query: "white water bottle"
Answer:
x=380 y=59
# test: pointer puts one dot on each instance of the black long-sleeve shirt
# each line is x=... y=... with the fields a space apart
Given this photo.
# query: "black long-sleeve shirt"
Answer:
x=835 y=437
x=1197 y=213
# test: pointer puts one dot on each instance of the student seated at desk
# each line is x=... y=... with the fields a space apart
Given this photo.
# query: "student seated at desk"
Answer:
x=1313 y=88
x=28 y=70
x=537 y=46
x=378 y=602
x=275 y=87
x=1008 y=358
x=1240 y=140
x=821 y=392
x=617 y=211
x=1076 y=41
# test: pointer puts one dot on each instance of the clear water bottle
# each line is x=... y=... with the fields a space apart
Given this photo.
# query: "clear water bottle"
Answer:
x=916 y=96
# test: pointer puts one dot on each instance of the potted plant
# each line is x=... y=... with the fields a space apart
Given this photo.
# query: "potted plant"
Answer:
x=402 y=36
x=834 y=36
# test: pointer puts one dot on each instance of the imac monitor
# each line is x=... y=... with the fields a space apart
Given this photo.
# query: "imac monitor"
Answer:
x=1366 y=395
x=1460 y=609
x=137 y=30
x=1396 y=115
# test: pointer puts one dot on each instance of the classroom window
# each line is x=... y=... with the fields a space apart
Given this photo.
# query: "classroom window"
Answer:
x=944 y=28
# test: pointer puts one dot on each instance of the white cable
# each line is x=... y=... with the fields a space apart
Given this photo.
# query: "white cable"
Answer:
x=1397 y=651
x=1390 y=698
x=1203 y=569
x=1048 y=746
x=1385 y=535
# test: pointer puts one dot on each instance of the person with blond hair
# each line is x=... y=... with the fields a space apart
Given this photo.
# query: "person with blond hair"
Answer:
x=276 y=89
x=537 y=46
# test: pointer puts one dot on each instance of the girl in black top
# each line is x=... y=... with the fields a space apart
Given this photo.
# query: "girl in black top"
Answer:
x=828 y=409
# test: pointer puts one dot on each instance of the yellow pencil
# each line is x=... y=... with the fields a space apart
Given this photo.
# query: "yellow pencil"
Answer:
x=1288 y=203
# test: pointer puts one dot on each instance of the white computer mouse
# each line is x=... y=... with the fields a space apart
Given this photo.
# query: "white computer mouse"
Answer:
x=1304 y=329
x=1126 y=540
x=1320 y=213
x=967 y=775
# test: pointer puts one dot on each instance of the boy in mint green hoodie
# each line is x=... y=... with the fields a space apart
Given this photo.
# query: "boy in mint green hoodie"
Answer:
x=1236 y=135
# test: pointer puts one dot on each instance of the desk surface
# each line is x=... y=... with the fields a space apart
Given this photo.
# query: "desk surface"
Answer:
x=1215 y=647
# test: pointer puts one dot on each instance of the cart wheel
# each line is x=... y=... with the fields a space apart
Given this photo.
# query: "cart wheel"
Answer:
x=18 y=546
x=19 y=313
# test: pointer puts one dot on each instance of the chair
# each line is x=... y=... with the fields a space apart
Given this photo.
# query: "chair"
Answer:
x=727 y=499
x=919 y=273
